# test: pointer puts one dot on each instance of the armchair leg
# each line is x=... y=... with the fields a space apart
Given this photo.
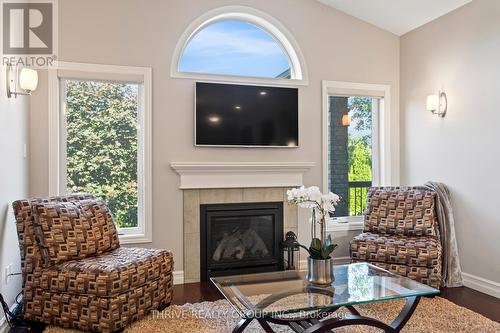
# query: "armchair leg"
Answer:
x=164 y=306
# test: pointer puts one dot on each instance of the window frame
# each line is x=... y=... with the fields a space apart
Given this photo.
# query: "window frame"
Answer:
x=57 y=163
x=253 y=16
x=387 y=137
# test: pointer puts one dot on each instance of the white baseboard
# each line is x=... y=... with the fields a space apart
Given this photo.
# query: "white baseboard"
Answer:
x=3 y=325
x=483 y=285
x=336 y=261
x=178 y=277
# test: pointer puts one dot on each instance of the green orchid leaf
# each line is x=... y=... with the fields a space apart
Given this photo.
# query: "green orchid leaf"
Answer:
x=316 y=244
x=315 y=253
x=327 y=250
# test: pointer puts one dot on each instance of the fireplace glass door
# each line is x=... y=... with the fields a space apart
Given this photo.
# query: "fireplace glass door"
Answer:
x=241 y=238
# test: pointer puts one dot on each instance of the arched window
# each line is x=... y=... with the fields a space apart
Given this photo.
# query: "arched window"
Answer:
x=238 y=41
x=235 y=48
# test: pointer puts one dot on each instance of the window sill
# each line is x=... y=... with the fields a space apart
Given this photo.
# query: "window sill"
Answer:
x=351 y=223
x=134 y=239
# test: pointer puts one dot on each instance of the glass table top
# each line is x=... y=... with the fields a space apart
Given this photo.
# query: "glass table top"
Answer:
x=288 y=292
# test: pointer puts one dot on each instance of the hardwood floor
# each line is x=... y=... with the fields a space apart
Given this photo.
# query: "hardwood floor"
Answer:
x=486 y=305
x=476 y=301
x=196 y=293
x=481 y=303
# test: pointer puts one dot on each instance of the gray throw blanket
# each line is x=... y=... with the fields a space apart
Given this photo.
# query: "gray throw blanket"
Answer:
x=452 y=273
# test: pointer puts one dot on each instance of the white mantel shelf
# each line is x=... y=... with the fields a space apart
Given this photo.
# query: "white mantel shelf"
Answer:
x=197 y=175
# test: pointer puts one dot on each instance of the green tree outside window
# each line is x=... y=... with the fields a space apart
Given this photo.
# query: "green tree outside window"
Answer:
x=102 y=131
x=359 y=149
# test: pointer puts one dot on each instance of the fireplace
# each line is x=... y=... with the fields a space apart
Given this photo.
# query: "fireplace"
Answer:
x=240 y=238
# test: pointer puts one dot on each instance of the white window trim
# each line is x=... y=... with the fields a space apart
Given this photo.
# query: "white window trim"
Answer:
x=351 y=223
x=388 y=138
x=143 y=233
x=264 y=21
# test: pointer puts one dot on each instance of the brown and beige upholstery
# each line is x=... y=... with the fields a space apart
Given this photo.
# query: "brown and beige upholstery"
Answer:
x=76 y=275
x=401 y=234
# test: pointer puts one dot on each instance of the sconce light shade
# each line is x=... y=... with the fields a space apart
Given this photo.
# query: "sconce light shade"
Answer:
x=437 y=104
x=432 y=102
x=346 y=121
x=28 y=79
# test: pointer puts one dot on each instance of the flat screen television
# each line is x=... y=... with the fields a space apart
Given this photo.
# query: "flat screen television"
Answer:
x=246 y=116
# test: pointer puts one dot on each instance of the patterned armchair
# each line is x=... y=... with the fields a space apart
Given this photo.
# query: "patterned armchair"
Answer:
x=401 y=234
x=76 y=275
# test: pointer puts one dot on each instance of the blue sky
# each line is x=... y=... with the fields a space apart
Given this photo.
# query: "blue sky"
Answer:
x=234 y=48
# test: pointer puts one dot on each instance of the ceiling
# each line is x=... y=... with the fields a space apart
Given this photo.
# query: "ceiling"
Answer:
x=396 y=16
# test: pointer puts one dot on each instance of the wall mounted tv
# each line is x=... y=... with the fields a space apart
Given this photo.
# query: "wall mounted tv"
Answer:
x=246 y=116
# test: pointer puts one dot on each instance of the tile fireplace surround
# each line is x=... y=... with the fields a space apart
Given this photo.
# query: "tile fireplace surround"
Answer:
x=232 y=183
x=196 y=197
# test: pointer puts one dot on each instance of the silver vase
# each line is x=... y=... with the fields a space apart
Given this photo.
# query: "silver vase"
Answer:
x=320 y=271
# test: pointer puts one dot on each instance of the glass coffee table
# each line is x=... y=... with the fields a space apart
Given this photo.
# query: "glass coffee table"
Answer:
x=286 y=298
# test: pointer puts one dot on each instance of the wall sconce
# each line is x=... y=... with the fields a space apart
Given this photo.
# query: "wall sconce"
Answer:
x=346 y=120
x=26 y=78
x=438 y=104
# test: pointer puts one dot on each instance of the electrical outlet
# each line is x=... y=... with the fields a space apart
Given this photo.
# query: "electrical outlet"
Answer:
x=7 y=272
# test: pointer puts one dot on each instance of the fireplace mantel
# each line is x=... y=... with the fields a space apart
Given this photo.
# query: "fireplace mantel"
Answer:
x=200 y=175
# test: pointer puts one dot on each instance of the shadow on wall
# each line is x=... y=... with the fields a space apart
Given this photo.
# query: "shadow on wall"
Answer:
x=9 y=255
x=3 y=225
x=3 y=219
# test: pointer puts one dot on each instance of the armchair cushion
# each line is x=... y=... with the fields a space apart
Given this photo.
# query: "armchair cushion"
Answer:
x=108 y=274
x=401 y=211
x=73 y=230
x=409 y=251
x=30 y=251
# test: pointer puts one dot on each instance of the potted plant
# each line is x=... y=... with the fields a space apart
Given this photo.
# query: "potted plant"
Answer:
x=319 y=262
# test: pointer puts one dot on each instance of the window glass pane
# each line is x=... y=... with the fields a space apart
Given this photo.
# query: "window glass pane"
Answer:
x=101 y=144
x=350 y=158
x=235 y=48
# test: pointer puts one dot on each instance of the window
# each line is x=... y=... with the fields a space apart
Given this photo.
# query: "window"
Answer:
x=101 y=144
x=235 y=48
x=359 y=146
x=104 y=141
x=351 y=124
x=241 y=44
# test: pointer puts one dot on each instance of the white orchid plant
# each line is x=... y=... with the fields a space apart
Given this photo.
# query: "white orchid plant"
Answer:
x=322 y=205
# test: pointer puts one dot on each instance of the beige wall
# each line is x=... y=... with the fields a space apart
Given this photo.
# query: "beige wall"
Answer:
x=38 y=139
x=460 y=54
x=13 y=183
x=144 y=33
